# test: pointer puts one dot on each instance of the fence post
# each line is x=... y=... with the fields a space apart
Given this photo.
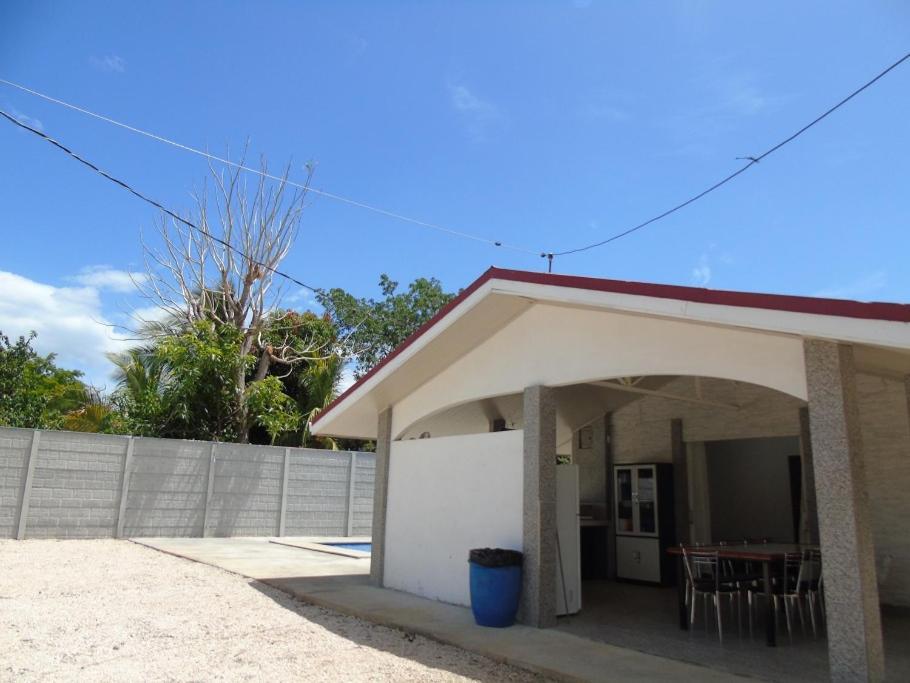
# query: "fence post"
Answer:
x=125 y=486
x=208 y=492
x=351 y=482
x=284 y=492
x=27 y=486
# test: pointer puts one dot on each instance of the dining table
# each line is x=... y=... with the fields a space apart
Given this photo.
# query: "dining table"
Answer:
x=766 y=554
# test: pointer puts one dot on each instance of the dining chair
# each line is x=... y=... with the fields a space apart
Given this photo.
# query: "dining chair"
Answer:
x=799 y=582
x=705 y=579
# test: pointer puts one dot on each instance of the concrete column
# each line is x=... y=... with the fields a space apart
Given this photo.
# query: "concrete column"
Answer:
x=283 y=510
x=380 y=496
x=538 y=591
x=848 y=556
x=125 y=486
x=27 y=484
x=680 y=481
x=611 y=495
x=809 y=522
x=209 y=489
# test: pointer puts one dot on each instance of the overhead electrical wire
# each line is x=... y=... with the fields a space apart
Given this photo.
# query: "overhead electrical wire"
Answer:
x=176 y=217
x=549 y=255
x=753 y=160
x=322 y=193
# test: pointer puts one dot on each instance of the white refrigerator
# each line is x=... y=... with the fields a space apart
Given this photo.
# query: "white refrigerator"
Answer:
x=568 y=541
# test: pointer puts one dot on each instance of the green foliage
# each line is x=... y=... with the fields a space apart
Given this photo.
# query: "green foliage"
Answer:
x=200 y=397
x=186 y=385
x=374 y=327
x=139 y=396
x=313 y=383
x=34 y=392
x=98 y=417
x=271 y=408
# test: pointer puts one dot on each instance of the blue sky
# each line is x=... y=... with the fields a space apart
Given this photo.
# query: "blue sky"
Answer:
x=549 y=125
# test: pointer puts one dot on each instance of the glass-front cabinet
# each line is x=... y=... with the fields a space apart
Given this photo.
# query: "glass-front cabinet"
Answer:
x=644 y=521
x=636 y=500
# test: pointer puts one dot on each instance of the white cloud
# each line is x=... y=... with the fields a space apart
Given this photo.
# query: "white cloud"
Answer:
x=26 y=119
x=478 y=114
x=701 y=273
x=861 y=288
x=301 y=298
x=109 y=63
x=69 y=322
x=105 y=277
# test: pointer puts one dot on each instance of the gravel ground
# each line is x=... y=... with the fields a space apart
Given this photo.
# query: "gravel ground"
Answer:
x=112 y=610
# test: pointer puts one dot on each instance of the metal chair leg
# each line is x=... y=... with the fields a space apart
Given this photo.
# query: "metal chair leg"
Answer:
x=787 y=613
x=720 y=626
x=811 y=598
x=799 y=608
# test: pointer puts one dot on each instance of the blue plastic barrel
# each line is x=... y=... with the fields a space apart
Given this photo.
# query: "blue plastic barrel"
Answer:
x=494 y=594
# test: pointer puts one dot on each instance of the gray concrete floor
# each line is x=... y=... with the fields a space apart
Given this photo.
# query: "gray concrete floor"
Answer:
x=644 y=618
x=341 y=584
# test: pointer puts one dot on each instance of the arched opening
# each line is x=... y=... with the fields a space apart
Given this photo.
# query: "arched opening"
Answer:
x=733 y=451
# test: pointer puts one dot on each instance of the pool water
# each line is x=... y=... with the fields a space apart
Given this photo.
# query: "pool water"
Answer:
x=363 y=547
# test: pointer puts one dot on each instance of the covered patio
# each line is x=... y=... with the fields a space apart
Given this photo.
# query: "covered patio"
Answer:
x=686 y=417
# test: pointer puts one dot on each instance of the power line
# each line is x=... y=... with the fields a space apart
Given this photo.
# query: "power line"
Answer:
x=144 y=198
x=751 y=159
x=321 y=193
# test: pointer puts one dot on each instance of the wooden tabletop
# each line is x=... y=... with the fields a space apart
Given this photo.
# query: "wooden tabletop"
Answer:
x=755 y=552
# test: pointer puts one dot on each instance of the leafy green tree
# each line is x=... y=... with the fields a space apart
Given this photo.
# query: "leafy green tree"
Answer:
x=139 y=396
x=183 y=385
x=34 y=392
x=373 y=327
x=271 y=408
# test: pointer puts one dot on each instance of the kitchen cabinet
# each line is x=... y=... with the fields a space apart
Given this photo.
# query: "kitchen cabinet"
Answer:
x=645 y=526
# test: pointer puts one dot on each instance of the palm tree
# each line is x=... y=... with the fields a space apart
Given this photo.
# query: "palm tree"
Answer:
x=320 y=381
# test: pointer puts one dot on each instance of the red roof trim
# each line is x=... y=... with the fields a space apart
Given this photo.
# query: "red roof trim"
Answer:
x=443 y=312
x=776 y=302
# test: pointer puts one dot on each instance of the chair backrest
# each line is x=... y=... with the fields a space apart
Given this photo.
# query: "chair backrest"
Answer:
x=701 y=565
x=810 y=568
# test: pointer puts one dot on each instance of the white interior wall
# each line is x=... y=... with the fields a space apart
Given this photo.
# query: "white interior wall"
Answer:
x=446 y=496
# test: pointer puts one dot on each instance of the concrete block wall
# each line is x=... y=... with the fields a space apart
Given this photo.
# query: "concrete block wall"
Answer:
x=75 y=491
x=167 y=488
x=362 y=521
x=176 y=488
x=318 y=493
x=883 y=413
x=246 y=490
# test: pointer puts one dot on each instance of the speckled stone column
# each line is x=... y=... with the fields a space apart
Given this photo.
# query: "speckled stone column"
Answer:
x=851 y=590
x=809 y=527
x=380 y=496
x=538 y=589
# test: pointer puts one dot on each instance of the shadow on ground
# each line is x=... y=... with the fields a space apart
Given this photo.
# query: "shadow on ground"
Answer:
x=409 y=645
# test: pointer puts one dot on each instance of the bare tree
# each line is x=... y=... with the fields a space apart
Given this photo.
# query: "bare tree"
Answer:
x=224 y=271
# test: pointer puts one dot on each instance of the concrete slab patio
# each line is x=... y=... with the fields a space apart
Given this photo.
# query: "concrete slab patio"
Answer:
x=342 y=584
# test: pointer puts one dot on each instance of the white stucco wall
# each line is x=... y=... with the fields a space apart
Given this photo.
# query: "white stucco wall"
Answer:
x=573 y=345
x=446 y=496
